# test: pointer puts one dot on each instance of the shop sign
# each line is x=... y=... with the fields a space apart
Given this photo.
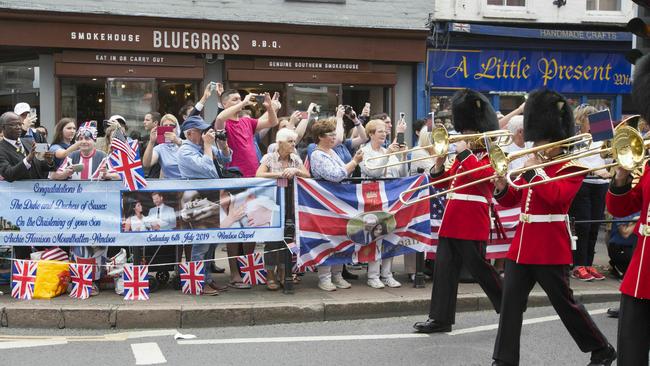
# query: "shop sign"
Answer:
x=182 y=40
x=127 y=58
x=311 y=65
x=513 y=70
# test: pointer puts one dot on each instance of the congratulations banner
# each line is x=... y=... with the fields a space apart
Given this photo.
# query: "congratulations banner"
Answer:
x=513 y=70
x=168 y=212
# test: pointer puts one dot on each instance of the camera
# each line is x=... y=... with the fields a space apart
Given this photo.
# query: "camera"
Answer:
x=213 y=86
x=348 y=109
x=221 y=135
x=259 y=98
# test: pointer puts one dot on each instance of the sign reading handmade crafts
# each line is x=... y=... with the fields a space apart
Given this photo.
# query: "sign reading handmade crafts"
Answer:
x=514 y=70
x=169 y=212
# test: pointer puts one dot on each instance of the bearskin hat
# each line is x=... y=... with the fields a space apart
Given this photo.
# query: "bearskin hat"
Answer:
x=472 y=111
x=547 y=116
x=641 y=86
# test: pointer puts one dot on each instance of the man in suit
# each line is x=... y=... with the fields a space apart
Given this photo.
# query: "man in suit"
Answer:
x=364 y=236
x=17 y=158
x=161 y=216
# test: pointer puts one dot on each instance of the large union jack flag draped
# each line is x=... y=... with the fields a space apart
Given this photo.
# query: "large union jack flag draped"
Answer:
x=81 y=276
x=327 y=214
x=125 y=161
x=192 y=276
x=136 y=283
x=23 y=276
x=501 y=233
x=252 y=268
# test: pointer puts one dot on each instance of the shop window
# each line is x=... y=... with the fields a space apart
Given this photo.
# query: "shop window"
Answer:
x=508 y=103
x=83 y=99
x=174 y=94
x=507 y=2
x=132 y=99
x=441 y=108
x=257 y=110
x=326 y=96
x=19 y=82
x=600 y=103
x=603 y=5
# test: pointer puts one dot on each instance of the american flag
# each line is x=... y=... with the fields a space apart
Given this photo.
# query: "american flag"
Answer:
x=23 y=276
x=125 y=160
x=81 y=276
x=55 y=254
x=120 y=143
x=136 y=283
x=192 y=276
x=252 y=268
x=329 y=213
x=499 y=242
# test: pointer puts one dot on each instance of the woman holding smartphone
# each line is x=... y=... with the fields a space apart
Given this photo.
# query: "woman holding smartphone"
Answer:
x=166 y=151
x=64 y=143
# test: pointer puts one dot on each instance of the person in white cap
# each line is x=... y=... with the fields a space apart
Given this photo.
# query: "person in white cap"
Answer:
x=28 y=120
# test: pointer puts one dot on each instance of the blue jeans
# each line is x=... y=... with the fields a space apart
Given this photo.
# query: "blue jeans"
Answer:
x=201 y=252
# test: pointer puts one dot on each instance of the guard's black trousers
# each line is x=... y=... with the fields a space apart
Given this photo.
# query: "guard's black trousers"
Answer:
x=450 y=256
x=554 y=280
x=633 y=331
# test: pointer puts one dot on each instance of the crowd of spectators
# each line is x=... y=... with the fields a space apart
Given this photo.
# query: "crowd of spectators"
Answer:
x=304 y=144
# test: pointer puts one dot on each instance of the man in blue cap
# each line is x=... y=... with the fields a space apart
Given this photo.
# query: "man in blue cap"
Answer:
x=197 y=157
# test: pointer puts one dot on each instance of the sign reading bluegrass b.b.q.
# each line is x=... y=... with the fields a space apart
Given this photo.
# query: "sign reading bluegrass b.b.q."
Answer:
x=169 y=212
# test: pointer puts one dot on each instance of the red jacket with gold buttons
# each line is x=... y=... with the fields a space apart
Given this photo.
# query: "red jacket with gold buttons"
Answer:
x=546 y=243
x=624 y=201
x=467 y=219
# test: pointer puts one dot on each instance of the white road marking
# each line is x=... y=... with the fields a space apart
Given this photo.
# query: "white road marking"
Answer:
x=147 y=354
x=543 y=319
x=27 y=344
x=303 y=339
x=109 y=337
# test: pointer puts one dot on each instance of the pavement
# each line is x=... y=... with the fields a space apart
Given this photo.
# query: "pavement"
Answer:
x=168 y=308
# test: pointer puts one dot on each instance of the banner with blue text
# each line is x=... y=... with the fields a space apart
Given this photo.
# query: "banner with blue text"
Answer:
x=168 y=212
x=522 y=71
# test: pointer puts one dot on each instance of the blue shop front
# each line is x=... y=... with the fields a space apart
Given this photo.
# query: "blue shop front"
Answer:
x=505 y=63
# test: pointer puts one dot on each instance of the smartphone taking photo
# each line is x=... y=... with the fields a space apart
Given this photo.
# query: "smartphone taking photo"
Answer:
x=259 y=98
x=41 y=148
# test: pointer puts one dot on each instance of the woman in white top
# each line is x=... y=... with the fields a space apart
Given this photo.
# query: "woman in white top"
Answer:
x=588 y=204
x=376 y=130
x=136 y=222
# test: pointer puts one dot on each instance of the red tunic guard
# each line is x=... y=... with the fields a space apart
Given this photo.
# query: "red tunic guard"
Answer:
x=467 y=213
x=543 y=235
x=624 y=201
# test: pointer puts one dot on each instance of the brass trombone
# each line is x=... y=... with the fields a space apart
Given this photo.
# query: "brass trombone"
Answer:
x=627 y=149
x=440 y=141
x=499 y=161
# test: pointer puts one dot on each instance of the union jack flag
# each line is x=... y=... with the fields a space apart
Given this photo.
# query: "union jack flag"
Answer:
x=136 y=283
x=461 y=27
x=125 y=160
x=331 y=218
x=294 y=260
x=252 y=268
x=192 y=277
x=23 y=276
x=81 y=276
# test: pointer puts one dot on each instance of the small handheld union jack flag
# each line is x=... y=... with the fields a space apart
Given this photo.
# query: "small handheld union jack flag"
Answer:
x=23 y=276
x=192 y=277
x=136 y=283
x=252 y=268
x=81 y=276
x=125 y=161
